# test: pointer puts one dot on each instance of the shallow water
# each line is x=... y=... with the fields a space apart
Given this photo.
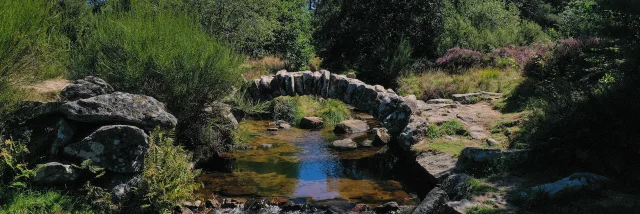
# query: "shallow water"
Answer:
x=301 y=165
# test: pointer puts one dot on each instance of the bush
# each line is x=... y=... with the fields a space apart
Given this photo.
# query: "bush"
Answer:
x=260 y=27
x=452 y=127
x=293 y=109
x=485 y=25
x=168 y=177
x=380 y=47
x=458 y=59
x=333 y=112
x=32 y=46
x=157 y=52
x=34 y=201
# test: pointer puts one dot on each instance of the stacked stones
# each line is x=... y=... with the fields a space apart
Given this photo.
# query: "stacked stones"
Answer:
x=384 y=105
x=92 y=123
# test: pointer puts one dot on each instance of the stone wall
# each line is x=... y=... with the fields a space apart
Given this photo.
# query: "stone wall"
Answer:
x=384 y=104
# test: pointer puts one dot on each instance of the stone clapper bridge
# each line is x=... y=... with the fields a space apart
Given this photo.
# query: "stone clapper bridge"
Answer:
x=384 y=104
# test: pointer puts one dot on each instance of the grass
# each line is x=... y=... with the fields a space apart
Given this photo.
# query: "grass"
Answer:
x=441 y=84
x=255 y=68
x=452 y=147
x=32 y=46
x=155 y=51
x=482 y=210
x=293 y=109
x=453 y=127
x=480 y=187
x=48 y=201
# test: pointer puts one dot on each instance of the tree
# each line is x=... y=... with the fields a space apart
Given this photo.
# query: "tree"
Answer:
x=260 y=27
x=368 y=35
x=485 y=25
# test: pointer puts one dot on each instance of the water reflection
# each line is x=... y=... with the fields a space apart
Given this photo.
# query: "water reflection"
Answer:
x=300 y=164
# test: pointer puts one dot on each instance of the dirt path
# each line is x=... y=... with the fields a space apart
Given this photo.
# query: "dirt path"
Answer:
x=47 y=90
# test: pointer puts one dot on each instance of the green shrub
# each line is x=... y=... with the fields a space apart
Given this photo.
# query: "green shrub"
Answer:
x=485 y=25
x=433 y=132
x=452 y=127
x=13 y=168
x=287 y=109
x=333 y=111
x=155 y=51
x=482 y=210
x=31 y=44
x=293 y=109
x=33 y=201
x=168 y=177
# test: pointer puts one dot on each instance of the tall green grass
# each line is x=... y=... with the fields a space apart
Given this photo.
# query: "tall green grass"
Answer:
x=144 y=48
x=31 y=44
x=33 y=201
x=293 y=109
x=440 y=84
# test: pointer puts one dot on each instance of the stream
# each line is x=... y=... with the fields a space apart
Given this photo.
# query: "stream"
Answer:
x=300 y=165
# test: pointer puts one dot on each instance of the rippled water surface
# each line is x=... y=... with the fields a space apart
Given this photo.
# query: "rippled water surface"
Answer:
x=301 y=164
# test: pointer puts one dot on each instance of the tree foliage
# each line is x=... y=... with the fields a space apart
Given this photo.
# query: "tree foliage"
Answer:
x=260 y=27
x=377 y=38
x=485 y=25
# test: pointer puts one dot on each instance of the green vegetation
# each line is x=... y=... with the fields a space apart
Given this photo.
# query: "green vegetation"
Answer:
x=452 y=147
x=168 y=177
x=441 y=84
x=260 y=28
x=485 y=25
x=293 y=109
x=452 y=127
x=479 y=187
x=482 y=210
x=37 y=201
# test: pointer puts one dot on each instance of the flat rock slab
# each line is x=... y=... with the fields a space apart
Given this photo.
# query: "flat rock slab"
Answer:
x=85 y=88
x=351 y=127
x=117 y=148
x=440 y=165
x=139 y=110
x=440 y=101
x=55 y=173
x=311 y=123
x=344 y=144
x=576 y=181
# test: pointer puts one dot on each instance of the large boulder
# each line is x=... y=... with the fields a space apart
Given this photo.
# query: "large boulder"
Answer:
x=482 y=161
x=576 y=181
x=439 y=164
x=55 y=173
x=434 y=203
x=85 y=88
x=344 y=144
x=117 y=148
x=311 y=123
x=132 y=109
x=413 y=133
x=457 y=186
x=351 y=127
